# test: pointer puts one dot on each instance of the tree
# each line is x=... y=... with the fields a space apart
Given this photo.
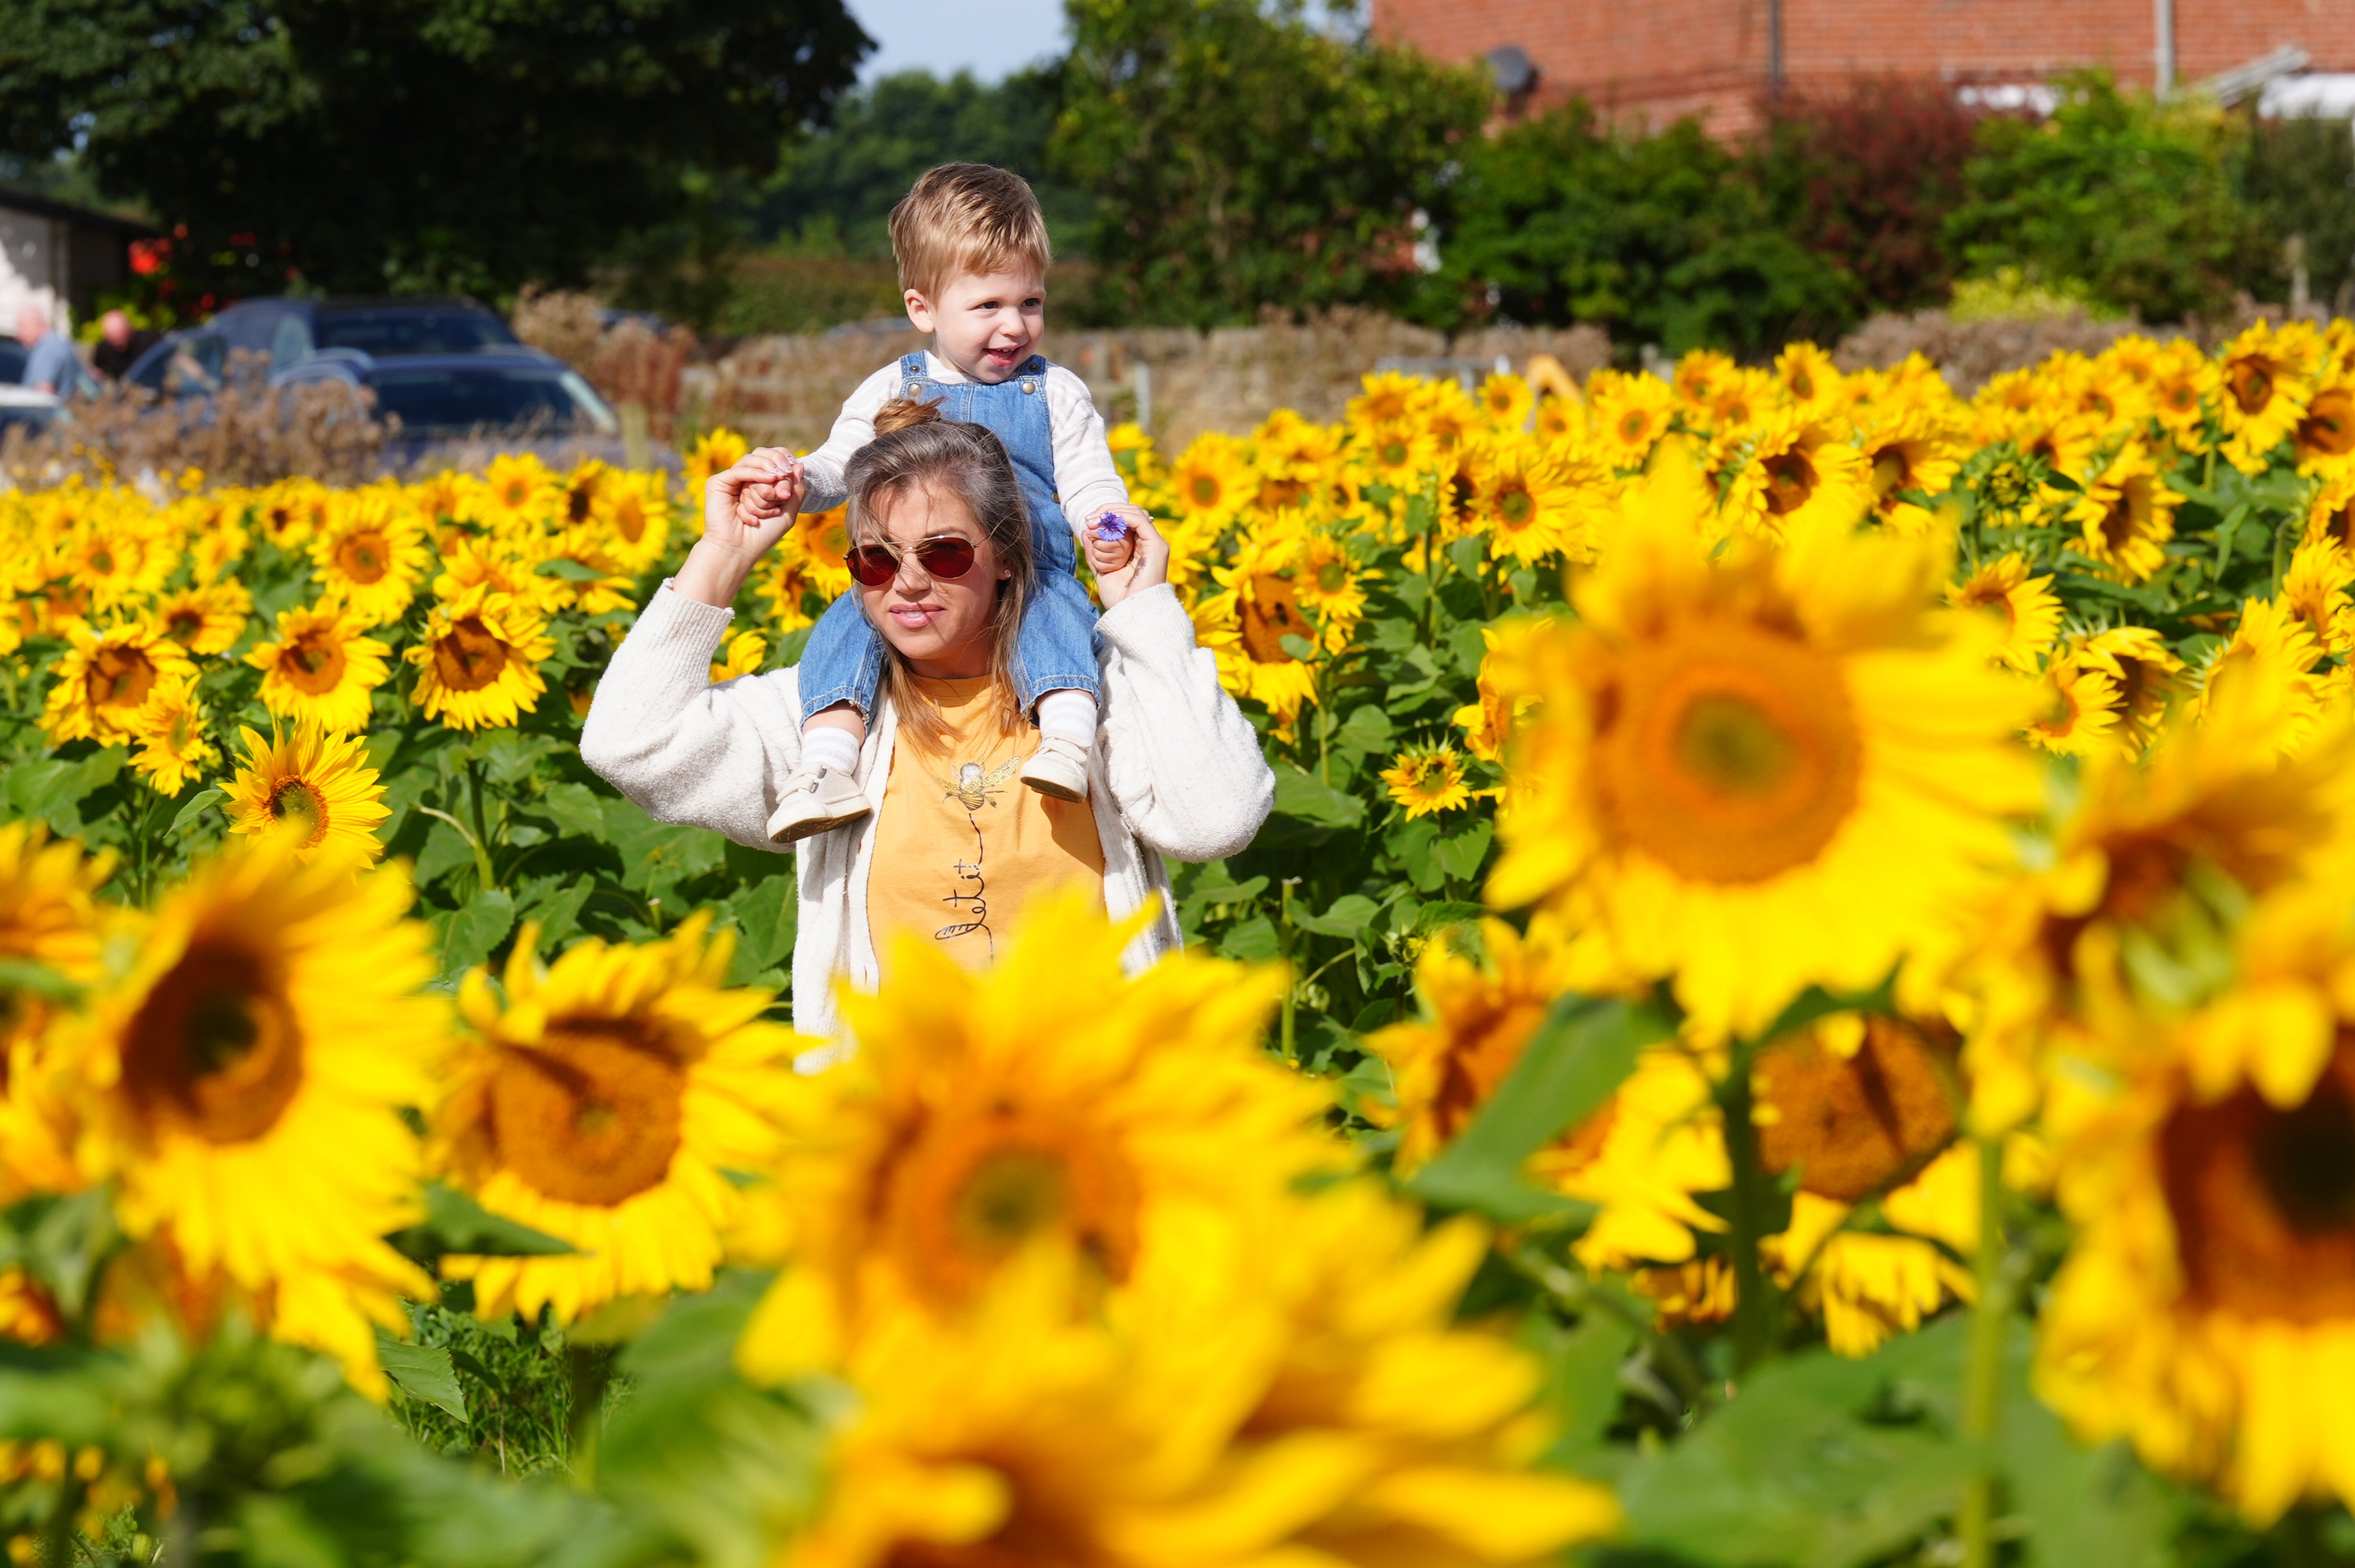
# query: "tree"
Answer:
x=1241 y=156
x=838 y=187
x=374 y=145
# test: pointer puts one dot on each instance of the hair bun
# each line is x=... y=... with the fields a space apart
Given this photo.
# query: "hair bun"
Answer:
x=902 y=412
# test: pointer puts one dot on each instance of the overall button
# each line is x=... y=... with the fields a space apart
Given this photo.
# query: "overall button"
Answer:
x=1028 y=386
x=911 y=390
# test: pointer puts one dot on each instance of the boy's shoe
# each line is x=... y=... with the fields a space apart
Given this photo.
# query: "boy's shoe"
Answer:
x=817 y=798
x=1058 y=768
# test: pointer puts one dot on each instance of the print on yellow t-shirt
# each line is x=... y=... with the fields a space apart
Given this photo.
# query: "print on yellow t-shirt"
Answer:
x=961 y=845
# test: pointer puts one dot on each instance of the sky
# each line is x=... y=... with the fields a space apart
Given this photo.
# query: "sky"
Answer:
x=987 y=37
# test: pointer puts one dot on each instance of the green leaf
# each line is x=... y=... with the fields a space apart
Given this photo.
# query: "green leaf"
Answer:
x=423 y=1372
x=454 y=1222
x=1347 y=917
x=570 y=571
x=1578 y=1056
x=655 y=856
x=1220 y=895
x=468 y=935
x=1460 y=853
x=1252 y=942
x=195 y=808
x=1300 y=797
x=1367 y=728
x=27 y=978
x=1582 y=1389
x=557 y=906
x=576 y=808
x=766 y=914
x=49 y=789
x=1443 y=912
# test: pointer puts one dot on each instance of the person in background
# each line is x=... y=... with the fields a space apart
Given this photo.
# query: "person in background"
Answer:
x=119 y=344
x=51 y=365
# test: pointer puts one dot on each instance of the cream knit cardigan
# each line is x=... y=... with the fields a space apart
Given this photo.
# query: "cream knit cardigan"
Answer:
x=1176 y=772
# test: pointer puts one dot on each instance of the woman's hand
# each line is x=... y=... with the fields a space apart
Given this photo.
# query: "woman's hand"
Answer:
x=1148 y=563
x=746 y=510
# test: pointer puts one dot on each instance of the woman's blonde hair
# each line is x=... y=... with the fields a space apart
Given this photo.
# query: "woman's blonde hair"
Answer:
x=915 y=448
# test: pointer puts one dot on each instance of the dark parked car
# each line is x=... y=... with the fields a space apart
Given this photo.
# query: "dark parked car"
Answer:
x=445 y=405
x=285 y=332
x=13 y=355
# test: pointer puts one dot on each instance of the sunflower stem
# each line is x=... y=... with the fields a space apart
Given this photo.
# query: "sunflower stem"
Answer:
x=1983 y=1372
x=1291 y=990
x=1756 y=1304
x=482 y=830
x=587 y=1370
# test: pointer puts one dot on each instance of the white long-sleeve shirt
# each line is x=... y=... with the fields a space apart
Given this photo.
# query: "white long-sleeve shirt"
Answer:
x=1086 y=479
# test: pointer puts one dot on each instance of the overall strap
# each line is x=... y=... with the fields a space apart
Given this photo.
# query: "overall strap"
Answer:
x=911 y=372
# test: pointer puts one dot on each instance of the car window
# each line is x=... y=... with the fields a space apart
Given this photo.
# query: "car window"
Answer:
x=387 y=333
x=466 y=398
x=250 y=329
x=190 y=367
x=290 y=342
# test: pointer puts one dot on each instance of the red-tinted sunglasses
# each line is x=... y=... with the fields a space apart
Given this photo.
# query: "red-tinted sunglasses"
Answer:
x=945 y=556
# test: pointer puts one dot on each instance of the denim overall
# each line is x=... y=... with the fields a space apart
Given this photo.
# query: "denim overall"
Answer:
x=1055 y=646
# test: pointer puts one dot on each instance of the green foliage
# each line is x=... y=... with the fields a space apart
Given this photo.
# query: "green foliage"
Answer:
x=833 y=192
x=417 y=144
x=1665 y=238
x=2299 y=175
x=1240 y=157
x=2132 y=199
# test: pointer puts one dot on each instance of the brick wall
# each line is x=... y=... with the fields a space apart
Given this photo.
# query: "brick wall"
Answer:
x=1660 y=58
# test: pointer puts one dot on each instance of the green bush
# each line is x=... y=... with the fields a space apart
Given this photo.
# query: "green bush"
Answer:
x=2299 y=176
x=1241 y=156
x=2131 y=198
x=1664 y=239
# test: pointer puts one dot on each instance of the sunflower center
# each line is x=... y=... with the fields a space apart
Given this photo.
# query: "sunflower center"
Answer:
x=1891 y=472
x=294 y=801
x=593 y=1116
x=1790 y=482
x=1487 y=1040
x=120 y=677
x=101 y=561
x=1204 y=490
x=1275 y=494
x=1728 y=754
x=365 y=557
x=1853 y=1125
x=1271 y=614
x=576 y=504
x=1632 y=425
x=974 y=1191
x=2124 y=519
x=2252 y=382
x=2329 y=426
x=214 y=1050
x=313 y=663
x=1515 y=507
x=467 y=658
x=2264 y=1200
x=184 y=626
x=630 y=521
x=1332 y=577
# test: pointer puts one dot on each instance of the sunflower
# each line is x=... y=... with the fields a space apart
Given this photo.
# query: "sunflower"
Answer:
x=1740 y=401
x=313 y=785
x=1701 y=375
x=2273 y=647
x=1761 y=770
x=289 y=511
x=322 y=667
x=1909 y=452
x=1807 y=375
x=370 y=556
x=478 y=661
x=714 y=452
x=115 y=562
x=747 y=651
x=1799 y=473
x=1209 y=481
x=1533 y=499
x=105 y=676
x=2126 y=514
x=1488 y=724
x=2082 y=710
x=2314 y=590
x=1628 y=415
x=244 y=1080
x=2331 y=514
x=2148 y=677
x=2324 y=437
x=217 y=536
x=1329 y=584
x=605 y=1103
x=2184 y=385
x=170 y=730
x=1426 y=779
x=818 y=547
x=49 y=916
x=1246 y=626
x=782 y=582
x=519 y=495
x=1389 y=398
x=631 y=512
x=205 y=619
x=2267 y=379
x=2208 y=1298
x=1505 y=400
x=1132 y=1127
x=1402 y=454
x=2024 y=606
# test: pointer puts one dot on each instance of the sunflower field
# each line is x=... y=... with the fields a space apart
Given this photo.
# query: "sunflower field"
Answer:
x=1796 y=1007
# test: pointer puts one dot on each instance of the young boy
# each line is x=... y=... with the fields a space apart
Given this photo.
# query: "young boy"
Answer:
x=971 y=248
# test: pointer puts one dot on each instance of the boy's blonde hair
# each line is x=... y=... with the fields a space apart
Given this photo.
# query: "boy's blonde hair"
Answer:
x=962 y=220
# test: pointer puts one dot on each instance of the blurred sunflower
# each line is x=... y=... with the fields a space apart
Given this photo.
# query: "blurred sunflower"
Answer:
x=2125 y=515
x=322 y=667
x=1799 y=473
x=2148 y=677
x=2267 y=378
x=169 y=728
x=2082 y=710
x=1132 y=1127
x=243 y=1083
x=1427 y=780
x=478 y=661
x=1908 y=452
x=1209 y=481
x=631 y=512
x=289 y=511
x=1329 y=584
x=1245 y=626
x=1531 y=502
x=1505 y=400
x=205 y=619
x=2184 y=384
x=714 y=452
x=2024 y=606
x=519 y=494
x=1399 y=453
x=1761 y=769
x=747 y=651
x=49 y=916
x=1389 y=398
x=2314 y=590
x=105 y=676
x=313 y=787
x=1628 y=415
x=607 y=1099
x=818 y=546
x=2324 y=438
x=370 y=556
x=114 y=562
x=1807 y=375
x=2273 y=648
x=2331 y=514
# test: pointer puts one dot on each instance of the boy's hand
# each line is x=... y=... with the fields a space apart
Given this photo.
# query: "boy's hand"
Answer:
x=1111 y=548
x=746 y=510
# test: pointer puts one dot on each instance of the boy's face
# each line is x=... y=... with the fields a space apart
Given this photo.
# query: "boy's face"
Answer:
x=985 y=325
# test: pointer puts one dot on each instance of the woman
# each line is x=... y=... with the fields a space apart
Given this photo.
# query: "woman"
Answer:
x=940 y=552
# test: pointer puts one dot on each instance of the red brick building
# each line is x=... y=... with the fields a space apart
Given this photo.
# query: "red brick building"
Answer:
x=1662 y=58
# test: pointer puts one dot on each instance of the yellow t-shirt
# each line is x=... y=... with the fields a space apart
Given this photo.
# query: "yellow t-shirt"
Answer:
x=961 y=843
